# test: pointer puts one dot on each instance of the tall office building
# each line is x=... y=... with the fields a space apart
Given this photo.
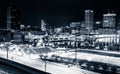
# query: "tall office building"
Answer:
x=89 y=19
x=109 y=20
x=9 y=18
x=13 y=18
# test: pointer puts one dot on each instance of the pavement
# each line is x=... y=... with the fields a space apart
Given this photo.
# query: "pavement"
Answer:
x=54 y=68
x=110 y=57
x=100 y=52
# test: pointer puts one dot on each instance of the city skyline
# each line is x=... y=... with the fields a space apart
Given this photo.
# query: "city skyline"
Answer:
x=59 y=37
x=58 y=13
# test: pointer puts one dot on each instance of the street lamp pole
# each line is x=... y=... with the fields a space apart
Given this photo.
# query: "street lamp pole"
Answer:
x=6 y=48
x=75 y=56
x=45 y=62
x=28 y=45
x=45 y=65
x=7 y=52
x=76 y=51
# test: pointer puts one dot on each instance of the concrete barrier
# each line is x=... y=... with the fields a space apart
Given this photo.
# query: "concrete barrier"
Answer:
x=17 y=66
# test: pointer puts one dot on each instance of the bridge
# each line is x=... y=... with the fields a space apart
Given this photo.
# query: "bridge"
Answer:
x=19 y=68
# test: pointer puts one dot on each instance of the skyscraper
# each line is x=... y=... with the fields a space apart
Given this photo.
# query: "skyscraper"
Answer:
x=13 y=18
x=9 y=18
x=89 y=18
x=109 y=20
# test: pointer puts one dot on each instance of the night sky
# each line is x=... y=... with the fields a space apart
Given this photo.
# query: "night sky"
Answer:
x=57 y=12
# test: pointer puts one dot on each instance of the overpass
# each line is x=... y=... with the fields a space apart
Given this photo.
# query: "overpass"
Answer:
x=20 y=68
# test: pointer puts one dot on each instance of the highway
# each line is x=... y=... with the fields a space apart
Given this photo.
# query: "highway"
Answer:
x=54 y=68
x=92 y=55
x=101 y=52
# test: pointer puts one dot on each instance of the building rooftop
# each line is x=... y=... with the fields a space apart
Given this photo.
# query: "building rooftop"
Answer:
x=88 y=10
x=109 y=14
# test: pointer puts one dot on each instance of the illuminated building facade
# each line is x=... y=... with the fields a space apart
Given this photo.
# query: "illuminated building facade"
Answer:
x=13 y=18
x=109 y=20
x=89 y=19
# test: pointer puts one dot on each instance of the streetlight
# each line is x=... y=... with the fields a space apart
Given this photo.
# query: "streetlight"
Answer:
x=45 y=65
x=45 y=61
x=6 y=48
x=75 y=51
x=28 y=50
